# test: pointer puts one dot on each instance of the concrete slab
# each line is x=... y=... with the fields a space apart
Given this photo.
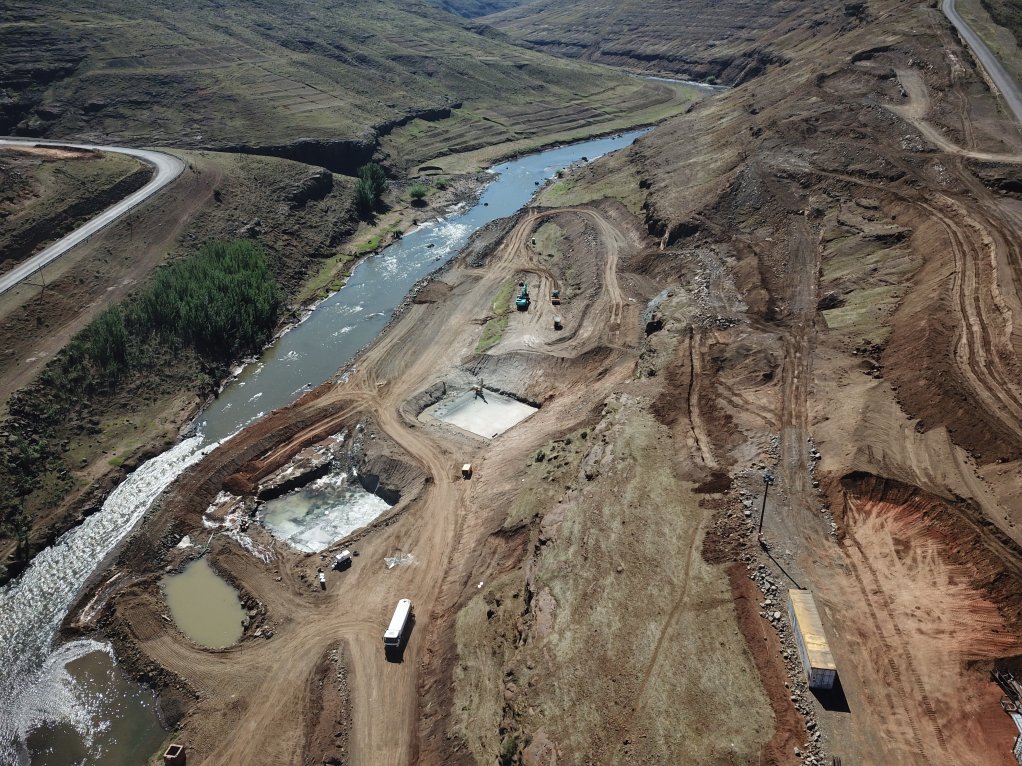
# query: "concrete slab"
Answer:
x=487 y=415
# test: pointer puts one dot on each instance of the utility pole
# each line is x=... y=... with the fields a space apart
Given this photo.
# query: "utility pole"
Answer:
x=768 y=479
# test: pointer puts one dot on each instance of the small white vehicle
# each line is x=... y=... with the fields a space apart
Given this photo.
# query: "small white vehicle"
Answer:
x=343 y=559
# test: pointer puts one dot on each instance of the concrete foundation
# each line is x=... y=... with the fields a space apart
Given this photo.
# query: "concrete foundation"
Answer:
x=487 y=414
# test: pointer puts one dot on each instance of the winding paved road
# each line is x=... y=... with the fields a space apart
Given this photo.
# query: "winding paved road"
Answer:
x=167 y=168
x=1005 y=82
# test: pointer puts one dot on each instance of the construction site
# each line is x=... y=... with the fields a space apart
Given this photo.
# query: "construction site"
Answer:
x=707 y=453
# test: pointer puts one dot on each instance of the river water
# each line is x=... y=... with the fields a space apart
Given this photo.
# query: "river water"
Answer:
x=39 y=689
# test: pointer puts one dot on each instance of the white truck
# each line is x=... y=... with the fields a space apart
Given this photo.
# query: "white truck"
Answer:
x=394 y=635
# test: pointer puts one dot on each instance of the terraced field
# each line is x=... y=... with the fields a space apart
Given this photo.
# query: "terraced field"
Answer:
x=731 y=42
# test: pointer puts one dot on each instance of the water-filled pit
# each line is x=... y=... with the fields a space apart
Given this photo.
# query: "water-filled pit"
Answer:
x=320 y=513
x=204 y=605
x=485 y=413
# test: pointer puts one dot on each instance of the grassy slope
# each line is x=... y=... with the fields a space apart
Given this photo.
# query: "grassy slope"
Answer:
x=43 y=198
x=728 y=41
x=471 y=9
x=1007 y=13
x=203 y=73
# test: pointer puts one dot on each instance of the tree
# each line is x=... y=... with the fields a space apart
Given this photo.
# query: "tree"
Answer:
x=373 y=174
x=418 y=193
x=372 y=183
x=365 y=199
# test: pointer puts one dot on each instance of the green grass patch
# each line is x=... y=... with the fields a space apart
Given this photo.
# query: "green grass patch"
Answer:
x=369 y=246
x=494 y=329
x=330 y=278
x=548 y=241
x=617 y=180
x=492 y=333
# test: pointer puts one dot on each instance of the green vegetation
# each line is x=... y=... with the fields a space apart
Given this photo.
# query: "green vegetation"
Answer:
x=509 y=752
x=213 y=307
x=330 y=278
x=222 y=303
x=418 y=193
x=495 y=327
x=369 y=190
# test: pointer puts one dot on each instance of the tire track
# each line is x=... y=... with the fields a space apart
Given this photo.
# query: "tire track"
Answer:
x=976 y=352
x=676 y=608
x=915 y=679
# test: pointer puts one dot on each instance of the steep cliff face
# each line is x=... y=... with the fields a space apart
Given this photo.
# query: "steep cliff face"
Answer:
x=729 y=42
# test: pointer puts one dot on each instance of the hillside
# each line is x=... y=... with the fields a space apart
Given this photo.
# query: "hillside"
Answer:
x=264 y=74
x=471 y=9
x=839 y=265
x=730 y=42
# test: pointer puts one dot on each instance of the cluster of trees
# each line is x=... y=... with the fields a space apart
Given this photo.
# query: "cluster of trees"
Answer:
x=213 y=307
x=372 y=183
x=222 y=302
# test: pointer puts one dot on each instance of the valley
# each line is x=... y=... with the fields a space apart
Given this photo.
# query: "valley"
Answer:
x=768 y=344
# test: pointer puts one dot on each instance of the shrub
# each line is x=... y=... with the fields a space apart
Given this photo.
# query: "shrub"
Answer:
x=418 y=192
x=372 y=183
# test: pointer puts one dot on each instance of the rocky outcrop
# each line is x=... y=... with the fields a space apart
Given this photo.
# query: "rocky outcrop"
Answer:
x=429 y=114
x=339 y=155
x=313 y=186
x=25 y=77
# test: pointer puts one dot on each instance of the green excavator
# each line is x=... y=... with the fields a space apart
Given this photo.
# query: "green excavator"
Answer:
x=522 y=301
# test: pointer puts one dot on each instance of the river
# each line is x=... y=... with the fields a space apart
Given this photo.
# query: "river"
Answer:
x=41 y=689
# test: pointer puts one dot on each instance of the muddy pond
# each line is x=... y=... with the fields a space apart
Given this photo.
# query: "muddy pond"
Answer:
x=204 y=605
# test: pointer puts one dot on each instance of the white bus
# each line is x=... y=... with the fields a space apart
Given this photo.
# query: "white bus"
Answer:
x=398 y=624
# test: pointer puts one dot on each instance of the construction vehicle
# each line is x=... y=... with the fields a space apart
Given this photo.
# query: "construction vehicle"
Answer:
x=522 y=301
